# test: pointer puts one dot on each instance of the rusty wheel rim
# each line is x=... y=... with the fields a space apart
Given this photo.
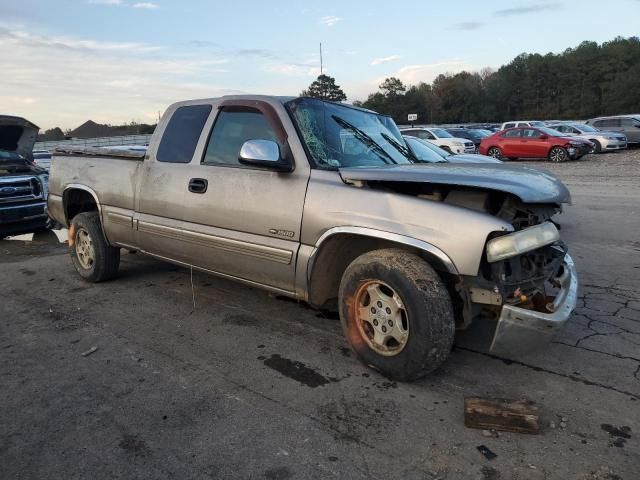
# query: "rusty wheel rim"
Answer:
x=84 y=249
x=381 y=317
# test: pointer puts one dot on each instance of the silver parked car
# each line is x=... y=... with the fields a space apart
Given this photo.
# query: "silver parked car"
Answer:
x=629 y=125
x=602 y=141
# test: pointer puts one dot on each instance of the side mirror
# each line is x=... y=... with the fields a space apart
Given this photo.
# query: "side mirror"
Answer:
x=264 y=154
x=544 y=136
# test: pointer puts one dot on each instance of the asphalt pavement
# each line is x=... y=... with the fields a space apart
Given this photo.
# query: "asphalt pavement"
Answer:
x=127 y=379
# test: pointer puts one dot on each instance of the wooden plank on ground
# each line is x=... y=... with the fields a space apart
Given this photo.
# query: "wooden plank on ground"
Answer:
x=520 y=416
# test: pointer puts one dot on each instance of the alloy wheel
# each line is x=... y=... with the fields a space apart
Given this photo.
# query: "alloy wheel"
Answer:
x=381 y=317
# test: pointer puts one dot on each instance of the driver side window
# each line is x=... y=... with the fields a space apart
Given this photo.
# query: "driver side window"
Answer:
x=233 y=127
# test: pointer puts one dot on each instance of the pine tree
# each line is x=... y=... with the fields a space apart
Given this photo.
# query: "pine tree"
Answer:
x=325 y=87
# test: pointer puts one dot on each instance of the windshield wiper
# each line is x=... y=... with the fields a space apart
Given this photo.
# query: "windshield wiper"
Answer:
x=401 y=148
x=363 y=137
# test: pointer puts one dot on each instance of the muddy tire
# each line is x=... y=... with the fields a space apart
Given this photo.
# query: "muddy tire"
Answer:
x=396 y=313
x=94 y=259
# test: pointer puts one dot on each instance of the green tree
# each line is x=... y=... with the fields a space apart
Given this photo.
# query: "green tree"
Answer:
x=586 y=81
x=392 y=87
x=325 y=87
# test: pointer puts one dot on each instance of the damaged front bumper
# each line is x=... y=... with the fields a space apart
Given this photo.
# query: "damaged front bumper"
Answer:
x=520 y=329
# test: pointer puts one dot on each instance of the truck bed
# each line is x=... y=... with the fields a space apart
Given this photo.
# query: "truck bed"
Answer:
x=109 y=175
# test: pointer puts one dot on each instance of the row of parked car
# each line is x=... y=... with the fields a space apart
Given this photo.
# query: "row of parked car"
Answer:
x=556 y=140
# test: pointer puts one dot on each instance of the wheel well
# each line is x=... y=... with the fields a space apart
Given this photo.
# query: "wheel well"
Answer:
x=338 y=251
x=77 y=201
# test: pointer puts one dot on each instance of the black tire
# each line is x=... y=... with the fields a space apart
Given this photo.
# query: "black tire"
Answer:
x=428 y=313
x=447 y=149
x=495 y=152
x=105 y=258
x=558 y=155
x=597 y=147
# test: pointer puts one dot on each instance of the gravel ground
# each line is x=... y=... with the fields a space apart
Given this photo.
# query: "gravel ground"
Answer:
x=248 y=385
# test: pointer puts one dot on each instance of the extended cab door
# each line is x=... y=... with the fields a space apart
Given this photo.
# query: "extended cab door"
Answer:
x=163 y=182
x=240 y=220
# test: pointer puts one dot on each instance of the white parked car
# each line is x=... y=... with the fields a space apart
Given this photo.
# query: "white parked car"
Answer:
x=522 y=123
x=441 y=138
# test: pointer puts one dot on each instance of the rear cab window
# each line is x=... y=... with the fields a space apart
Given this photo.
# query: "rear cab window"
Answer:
x=182 y=133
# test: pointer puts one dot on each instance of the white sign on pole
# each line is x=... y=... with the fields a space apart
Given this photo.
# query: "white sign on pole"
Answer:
x=412 y=117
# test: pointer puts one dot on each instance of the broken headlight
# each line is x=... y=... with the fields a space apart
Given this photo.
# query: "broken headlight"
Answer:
x=520 y=242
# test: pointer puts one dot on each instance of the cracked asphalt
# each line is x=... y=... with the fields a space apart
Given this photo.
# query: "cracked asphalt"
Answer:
x=248 y=385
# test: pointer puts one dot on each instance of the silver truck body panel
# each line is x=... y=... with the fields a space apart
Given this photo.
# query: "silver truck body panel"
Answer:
x=460 y=233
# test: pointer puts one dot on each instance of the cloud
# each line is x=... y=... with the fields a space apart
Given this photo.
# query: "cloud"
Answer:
x=106 y=2
x=378 y=61
x=56 y=81
x=255 y=52
x=330 y=20
x=468 y=25
x=294 y=69
x=526 y=9
x=147 y=5
x=19 y=37
x=121 y=3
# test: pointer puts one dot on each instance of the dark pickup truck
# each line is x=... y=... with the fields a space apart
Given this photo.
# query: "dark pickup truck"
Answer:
x=23 y=185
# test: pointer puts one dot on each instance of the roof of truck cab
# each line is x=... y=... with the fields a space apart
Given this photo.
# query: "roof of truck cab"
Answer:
x=277 y=98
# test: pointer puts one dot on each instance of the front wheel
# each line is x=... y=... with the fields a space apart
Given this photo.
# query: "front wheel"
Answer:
x=447 y=149
x=94 y=259
x=558 y=154
x=396 y=313
x=495 y=152
x=597 y=147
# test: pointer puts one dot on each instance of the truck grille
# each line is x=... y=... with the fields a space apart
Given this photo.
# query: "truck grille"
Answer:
x=19 y=190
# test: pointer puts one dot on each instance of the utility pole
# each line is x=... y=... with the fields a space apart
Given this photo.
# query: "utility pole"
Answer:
x=320 y=58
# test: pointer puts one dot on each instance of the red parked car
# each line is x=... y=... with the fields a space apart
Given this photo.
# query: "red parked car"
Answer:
x=534 y=142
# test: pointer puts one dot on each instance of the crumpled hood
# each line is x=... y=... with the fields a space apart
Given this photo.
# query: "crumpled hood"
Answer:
x=531 y=185
x=17 y=135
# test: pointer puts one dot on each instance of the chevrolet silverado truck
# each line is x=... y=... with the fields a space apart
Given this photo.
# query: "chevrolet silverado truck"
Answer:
x=326 y=203
x=23 y=185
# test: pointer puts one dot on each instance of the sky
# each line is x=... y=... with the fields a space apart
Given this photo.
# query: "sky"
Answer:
x=115 y=61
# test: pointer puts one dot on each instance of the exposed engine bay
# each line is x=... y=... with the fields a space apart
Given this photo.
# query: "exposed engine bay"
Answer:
x=529 y=280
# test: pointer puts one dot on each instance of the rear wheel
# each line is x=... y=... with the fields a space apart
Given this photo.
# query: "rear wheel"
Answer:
x=597 y=147
x=558 y=154
x=396 y=313
x=495 y=152
x=94 y=259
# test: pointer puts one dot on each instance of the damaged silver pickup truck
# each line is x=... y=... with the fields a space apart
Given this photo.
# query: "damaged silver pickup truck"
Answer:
x=327 y=204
